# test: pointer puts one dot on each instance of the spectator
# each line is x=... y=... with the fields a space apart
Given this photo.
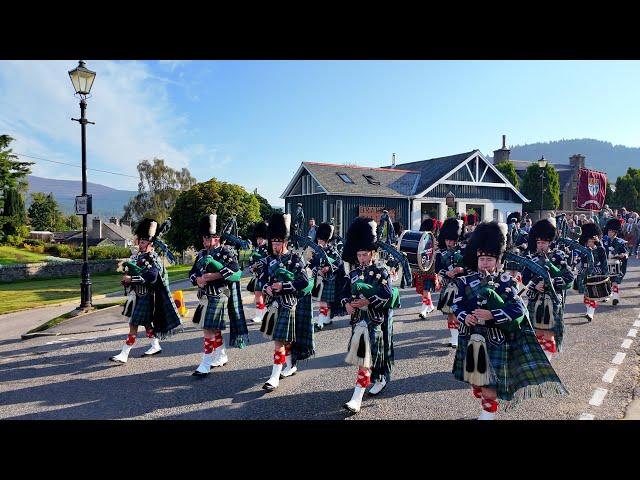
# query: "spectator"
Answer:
x=312 y=229
x=528 y=224
x=631 y=233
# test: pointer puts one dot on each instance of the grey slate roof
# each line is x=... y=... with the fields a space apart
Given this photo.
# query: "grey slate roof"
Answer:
x=434 y=169
x=393 y=182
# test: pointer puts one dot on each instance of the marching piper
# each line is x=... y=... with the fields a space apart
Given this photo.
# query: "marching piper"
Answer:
x=498 y=353
x=369 y=299
x=426 y=282
x=260 y=251
x=288 y=317
x=217 y=275
x=547 y=301
x=449 y=265
x=617 y=254
x=329 y=276
x=149 y=302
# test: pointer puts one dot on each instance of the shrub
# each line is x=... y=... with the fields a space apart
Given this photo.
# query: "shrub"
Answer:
x=14 y=240
x=60 y=250
x=33 y=242
x=108 y=252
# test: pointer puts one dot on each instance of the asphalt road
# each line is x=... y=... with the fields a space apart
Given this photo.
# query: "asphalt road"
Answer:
x=70 y=377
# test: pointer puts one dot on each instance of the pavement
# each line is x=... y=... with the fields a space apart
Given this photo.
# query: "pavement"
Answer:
x=70 y=376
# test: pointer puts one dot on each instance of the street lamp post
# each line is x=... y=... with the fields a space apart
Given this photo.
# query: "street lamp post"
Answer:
x=542 y=163
x=82 y=80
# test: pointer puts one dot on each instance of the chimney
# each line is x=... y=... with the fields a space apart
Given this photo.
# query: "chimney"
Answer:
x=115 y=221
x=96 y=230
x=577 y=160
x=501 y=155
x=393 y=160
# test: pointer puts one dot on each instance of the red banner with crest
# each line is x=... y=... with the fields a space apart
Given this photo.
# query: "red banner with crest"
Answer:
x=592 y=189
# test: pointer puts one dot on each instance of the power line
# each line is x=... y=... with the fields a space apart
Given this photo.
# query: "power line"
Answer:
x=73 y=165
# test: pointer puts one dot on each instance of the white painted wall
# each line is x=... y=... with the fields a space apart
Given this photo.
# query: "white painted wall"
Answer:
x=504 y=209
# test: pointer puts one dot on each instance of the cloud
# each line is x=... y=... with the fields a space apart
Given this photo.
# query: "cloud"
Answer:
x=131 y=106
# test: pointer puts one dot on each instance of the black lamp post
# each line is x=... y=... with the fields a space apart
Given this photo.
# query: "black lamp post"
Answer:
x=82 y=80
x=542 y=163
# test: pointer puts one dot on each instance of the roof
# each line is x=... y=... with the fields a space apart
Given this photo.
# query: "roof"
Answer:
x=434 y=169
x=393 y=182
x=65 y=235
x=123 y=231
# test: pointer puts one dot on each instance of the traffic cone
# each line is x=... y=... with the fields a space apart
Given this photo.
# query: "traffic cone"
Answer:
x=178 y=298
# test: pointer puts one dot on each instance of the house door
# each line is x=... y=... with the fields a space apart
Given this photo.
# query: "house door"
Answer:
x=477 y=209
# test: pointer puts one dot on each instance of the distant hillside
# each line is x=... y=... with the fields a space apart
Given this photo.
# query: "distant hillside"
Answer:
x=603 y=156
x=107 y=201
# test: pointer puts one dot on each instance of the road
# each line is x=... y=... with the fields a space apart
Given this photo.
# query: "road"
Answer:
x=70 y=377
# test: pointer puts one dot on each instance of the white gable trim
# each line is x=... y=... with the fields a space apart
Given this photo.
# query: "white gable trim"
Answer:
x=475 y=155
x=297 y=175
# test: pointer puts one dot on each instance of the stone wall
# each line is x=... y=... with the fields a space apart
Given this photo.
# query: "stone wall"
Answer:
x=11 y=273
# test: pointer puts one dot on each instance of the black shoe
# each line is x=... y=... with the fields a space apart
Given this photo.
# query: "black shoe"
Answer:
x=199 y=374
x=615 y=301
x=268 y=387
x=588 y=317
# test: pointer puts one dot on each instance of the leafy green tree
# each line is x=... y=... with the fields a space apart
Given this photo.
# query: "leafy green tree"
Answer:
x=266 y=210
x=508 y=169
x=44 y=212
x=12 y=171
x=628 y=190
x=213 y=196
x=530 y=188
x=12 y=185
x=158 y=190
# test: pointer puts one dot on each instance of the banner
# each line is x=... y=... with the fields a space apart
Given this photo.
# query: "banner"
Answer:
x=592 y=189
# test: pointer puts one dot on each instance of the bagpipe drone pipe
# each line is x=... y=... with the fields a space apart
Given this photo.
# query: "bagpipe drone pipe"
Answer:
x=230 y=234
x=134 y=268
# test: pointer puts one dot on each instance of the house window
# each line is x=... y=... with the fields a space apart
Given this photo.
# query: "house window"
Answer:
x=371 y=180
x=345 y=178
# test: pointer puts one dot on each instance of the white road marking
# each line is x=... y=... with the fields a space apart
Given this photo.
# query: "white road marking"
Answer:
x=632 y=333
x=619 y=358
x=626 y=343
x=610 y=375
x=598 y=397
x=586 y=416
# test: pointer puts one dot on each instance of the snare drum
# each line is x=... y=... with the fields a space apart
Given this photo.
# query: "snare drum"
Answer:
x=615 y=267
x=597 y=287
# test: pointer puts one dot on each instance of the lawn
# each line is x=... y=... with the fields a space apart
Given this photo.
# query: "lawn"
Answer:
x=36 y=293
x=12 y=255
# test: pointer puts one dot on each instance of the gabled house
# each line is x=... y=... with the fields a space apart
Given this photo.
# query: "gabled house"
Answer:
x=101 y=233
x=410 y=192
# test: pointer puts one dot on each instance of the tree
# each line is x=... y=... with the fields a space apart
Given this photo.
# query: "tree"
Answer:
x=530 y=188
x=12 y=171
x=221 y=198
x=44 y=212
x=611 y=198
x=266 y=210
x=628 y=190
x=158 y=190
x=508 y=169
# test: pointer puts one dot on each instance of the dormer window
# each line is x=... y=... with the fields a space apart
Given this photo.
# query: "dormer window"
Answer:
x=371 y=180
x=345 y=178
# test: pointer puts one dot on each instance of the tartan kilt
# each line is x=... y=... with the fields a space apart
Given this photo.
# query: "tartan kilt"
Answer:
x=329 y=291
x=303 y=347
x=216 y=314
x=376 y=339
x=284 y=329
x=446 y=297
x=143 y=312
x=521 y=368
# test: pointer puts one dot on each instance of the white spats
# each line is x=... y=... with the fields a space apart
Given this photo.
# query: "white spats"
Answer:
x=219 y=357
x=487 y=415
x=123 y=356
x=154 y=348
x=290 y=369
x=274 y=380
x=354 y=404
x=205 y=366
x=453 y=342
x=590 y=312
x=378 y=386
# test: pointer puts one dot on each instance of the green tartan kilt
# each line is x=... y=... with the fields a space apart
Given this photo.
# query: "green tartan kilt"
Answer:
x=389 y=356
x=143 y=312
x=216 y=314
x=285 y=327
x=521 y=368
x=376 y=339
x=329 y=291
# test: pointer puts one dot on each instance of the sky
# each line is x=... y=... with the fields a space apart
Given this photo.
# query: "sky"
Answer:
x=254 y=122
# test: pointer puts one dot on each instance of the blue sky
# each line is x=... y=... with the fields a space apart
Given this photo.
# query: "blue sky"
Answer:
x=253 y=122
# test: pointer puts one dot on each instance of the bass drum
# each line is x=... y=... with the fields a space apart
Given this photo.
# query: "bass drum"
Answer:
x=420 y=249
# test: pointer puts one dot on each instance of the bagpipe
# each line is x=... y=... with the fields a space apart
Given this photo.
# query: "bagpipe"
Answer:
x=160 y=245
x=207 y=264
x=541 y=272
x=574 y=245
x=362 y=290
x=386 y=244
x=134 y=268
x=230 y=234
x=282 y=274
x=450 y=258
